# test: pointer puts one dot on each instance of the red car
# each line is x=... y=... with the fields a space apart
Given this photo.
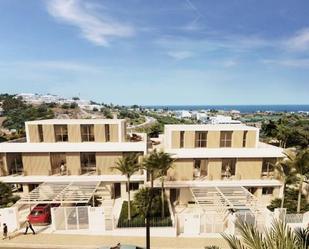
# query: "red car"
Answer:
x=40 y=214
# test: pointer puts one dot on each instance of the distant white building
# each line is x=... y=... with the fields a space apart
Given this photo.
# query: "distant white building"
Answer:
x=183 y=114
x=220 y=119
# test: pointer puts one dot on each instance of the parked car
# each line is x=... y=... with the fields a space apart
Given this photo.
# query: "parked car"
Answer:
x=40 y=214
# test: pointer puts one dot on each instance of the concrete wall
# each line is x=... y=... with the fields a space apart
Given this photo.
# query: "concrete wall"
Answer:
x=73 y=163
x=189 y=137
x=175 y=139
x=214 y=168
x=213 y=139
x=36 y=163
x=74 y=134
x=114 y=132
x=237 y=139
x=33 y=134
x=182 y=170
x=185 y=196
x=251 y=139
x=99 y=133
x=106 y=160
x=48 y=133
x=248 y=168
x=3 y=165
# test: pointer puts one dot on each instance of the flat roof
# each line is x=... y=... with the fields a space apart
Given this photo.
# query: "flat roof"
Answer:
x=74 y=147
x=262 y=150
x=70 y=178
x=220 y=183
x=61 y=192
x=215 y=127
x=76 y=121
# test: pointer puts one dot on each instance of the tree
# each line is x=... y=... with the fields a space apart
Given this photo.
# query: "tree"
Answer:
x=165 y=162
x=128 y=165
x=301 y=165
x=286 y=171
x=279 y=236
x=6 y=195
x=143 y=201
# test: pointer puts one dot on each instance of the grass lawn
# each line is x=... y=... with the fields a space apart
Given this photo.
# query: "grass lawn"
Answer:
x=137 y=220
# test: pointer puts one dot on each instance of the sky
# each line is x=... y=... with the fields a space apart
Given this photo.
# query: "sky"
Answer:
x=148 y=52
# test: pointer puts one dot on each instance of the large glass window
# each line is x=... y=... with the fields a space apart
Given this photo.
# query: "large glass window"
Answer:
x=226 y=138
x=228 y=167
x=61 y=133
x=200 y=139
x=267 y=191
x=107 y=133
x=15 y=163
x=87 y=132
x=88 y=161
x=182 y=139
x=40 y=131
x=268 y=166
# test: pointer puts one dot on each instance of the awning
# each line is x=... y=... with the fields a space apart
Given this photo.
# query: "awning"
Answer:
x=61 y=192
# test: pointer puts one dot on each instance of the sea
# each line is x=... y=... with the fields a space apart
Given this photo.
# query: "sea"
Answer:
x=241 y=108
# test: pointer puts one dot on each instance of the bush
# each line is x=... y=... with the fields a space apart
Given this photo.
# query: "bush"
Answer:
x=137 y=216
x=290 y=202
x=6 y=197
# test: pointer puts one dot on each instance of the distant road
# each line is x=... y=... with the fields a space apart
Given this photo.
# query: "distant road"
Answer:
x=149 y=121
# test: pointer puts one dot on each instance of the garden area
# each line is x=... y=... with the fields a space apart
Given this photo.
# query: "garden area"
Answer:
x=137 y=212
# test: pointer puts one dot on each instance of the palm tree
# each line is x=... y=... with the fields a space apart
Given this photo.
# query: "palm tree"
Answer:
x=150 y=164
x=301 y=165
x=165 y=162
x=143 y=202
x=286 y=172
x=128 y=165
x=279 y=236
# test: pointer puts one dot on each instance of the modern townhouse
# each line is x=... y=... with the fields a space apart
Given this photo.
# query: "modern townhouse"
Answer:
x=71 y=150
x=219 y=169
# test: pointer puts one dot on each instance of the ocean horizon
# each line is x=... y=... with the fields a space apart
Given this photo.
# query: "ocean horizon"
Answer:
x=241 y=108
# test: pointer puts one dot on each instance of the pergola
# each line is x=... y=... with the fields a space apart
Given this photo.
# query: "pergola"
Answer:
x=61 y=193
x=228 y=197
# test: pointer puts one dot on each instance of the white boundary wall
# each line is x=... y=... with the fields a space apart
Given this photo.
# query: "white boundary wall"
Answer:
x=10 y=217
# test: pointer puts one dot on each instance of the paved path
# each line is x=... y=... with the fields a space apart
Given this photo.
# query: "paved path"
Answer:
x=149 y=121
x=57 y=241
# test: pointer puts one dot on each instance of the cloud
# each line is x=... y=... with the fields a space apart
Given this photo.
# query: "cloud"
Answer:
x=299 y=42
x=180 y=55
x=52 y=65
x=97 y=30
x=294 y=63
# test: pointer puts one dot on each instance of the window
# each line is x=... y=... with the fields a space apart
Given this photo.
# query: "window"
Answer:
x=107 y=133
x=87 y=132
x=268 y=166
x=200 y=139
x=61 y=133
x=182 y=139
x=228 y=167
x=267 y=191
x=88 y=162
x=40 y=131
x=15 y=163
x=244 y=140
x=226 y=138
x=133 y=186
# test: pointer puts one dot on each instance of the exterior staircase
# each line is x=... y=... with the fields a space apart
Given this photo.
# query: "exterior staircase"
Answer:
x=104 y=196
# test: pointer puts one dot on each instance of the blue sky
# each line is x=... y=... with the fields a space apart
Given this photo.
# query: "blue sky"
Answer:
x=157 y=51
